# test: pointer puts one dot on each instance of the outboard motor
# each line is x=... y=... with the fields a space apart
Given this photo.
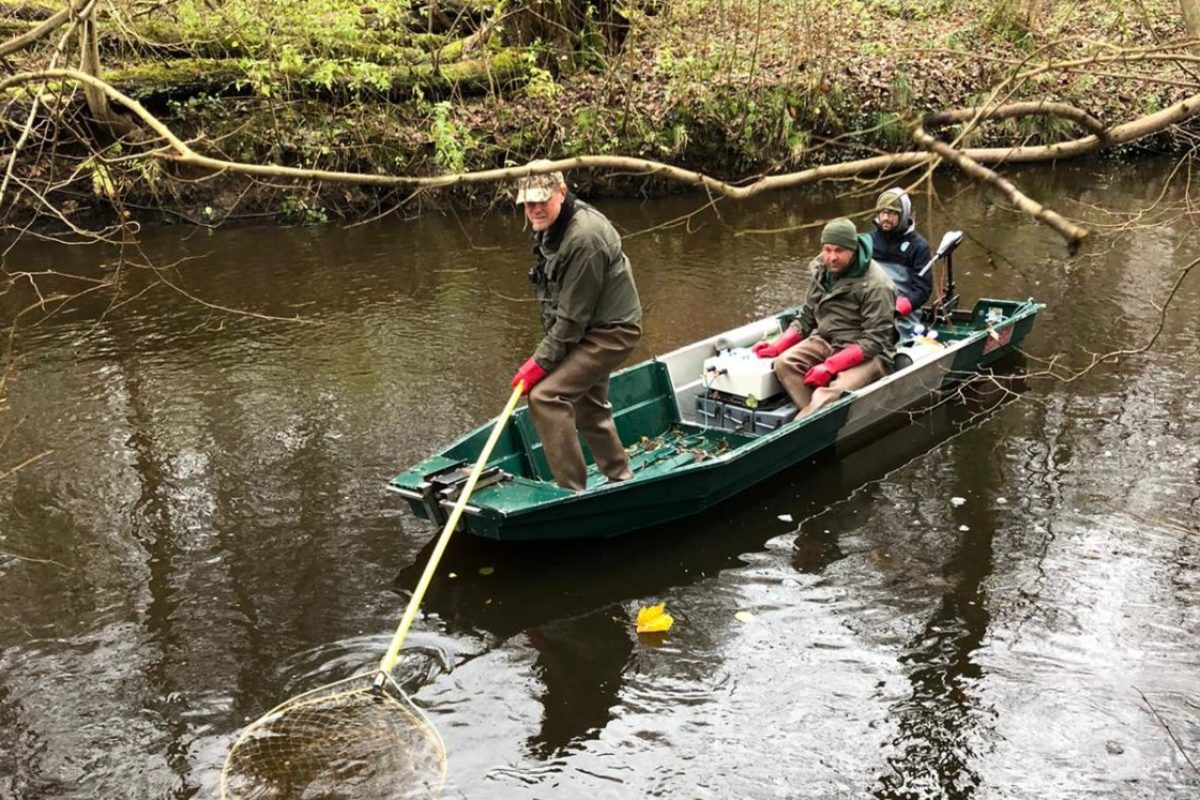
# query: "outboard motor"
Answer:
x=944 y=306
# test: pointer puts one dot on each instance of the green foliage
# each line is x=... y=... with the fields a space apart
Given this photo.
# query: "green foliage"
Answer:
x=890 y=130
x=101 y=179
x=300 y=209
x=1041 y=129
x=592 y=133
x=246 y=24
x=772 y=124
x=540 y=82
x=677 y=139
x=1012 y=20
x=451 y=142
x=260 y=76
x=592 y=45
x=1116 y=19
x=913 y=9
x=902 y=92
x=689 y=75
x=324 y=44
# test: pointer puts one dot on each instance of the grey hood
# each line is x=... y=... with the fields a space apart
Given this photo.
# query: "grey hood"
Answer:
x=907 y=222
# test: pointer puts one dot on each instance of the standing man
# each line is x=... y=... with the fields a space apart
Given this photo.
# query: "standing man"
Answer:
x=591 y=316
x=903 y=253
x=845 y=336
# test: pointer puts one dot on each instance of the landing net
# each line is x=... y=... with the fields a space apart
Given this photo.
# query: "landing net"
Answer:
x=361 y=738
x=344 y=740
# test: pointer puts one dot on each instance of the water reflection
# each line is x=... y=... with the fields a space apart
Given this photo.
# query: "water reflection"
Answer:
x=941 y=724
x=210 y=534
x=580 y=662
x=571 y=603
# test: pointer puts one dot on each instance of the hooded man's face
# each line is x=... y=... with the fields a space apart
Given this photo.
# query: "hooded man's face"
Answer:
x=888 y=220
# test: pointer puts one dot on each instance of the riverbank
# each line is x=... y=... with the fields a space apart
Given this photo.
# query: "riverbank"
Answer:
x=724 y=88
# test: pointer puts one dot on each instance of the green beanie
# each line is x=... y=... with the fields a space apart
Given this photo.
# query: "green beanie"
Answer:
x=841 y=232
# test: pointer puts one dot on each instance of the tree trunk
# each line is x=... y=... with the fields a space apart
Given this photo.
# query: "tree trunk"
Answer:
x=571 y=29
x=102 y=111
x=1191 y=19
x=187 y=77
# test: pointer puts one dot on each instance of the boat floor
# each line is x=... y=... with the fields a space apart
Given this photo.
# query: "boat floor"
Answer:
x=683 y=444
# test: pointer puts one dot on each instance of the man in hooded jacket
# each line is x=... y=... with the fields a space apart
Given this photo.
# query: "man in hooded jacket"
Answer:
x=903 y=253
x=845 y=335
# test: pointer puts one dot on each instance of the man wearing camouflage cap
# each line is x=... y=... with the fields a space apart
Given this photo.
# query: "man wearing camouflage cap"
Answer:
x=903 y=253
x=591 y=319
x=845 y=335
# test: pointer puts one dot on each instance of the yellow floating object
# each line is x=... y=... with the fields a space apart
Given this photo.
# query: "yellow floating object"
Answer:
x=744 y=616
x=654 y=619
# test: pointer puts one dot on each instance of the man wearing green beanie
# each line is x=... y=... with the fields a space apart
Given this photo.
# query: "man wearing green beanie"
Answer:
x=845 y=335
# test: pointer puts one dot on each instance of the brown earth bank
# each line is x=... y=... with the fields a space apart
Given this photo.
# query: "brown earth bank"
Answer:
x=732 y=89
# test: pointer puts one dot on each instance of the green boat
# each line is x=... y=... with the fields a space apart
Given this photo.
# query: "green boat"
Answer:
x=702 y=424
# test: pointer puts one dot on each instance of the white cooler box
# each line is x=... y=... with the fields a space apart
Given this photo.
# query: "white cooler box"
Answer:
x=742 y=374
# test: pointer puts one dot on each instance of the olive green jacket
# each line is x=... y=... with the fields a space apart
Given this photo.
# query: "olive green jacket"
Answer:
x=582 y=280
x=856 y=307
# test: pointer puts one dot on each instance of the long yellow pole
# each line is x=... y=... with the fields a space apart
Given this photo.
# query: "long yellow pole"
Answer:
x=414 y=604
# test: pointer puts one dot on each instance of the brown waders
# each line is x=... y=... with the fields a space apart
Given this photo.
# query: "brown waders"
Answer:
x=574 y=396
x=791 y=365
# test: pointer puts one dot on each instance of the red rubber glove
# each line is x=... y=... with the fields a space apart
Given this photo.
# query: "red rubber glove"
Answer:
x=530 y=372
x=771 y=349
x=903 y=306
x=842 y=360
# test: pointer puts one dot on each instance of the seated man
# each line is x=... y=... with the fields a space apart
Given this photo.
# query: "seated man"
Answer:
x=903 y=253
x=845 y=336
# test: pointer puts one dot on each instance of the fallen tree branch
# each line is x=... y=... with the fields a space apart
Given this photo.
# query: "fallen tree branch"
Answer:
x=89 y=59
x=1029 y=108
x=33 y=107
x=969 y=159
x=1071 y=232
x=41 y=31
x=1120 y=134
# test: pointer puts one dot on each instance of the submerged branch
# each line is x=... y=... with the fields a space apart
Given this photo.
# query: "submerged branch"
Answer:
x=1170 y=734
x=13 y=470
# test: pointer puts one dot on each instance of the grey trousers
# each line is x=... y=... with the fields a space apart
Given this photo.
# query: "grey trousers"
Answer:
x=574 y=397
x=800 y=358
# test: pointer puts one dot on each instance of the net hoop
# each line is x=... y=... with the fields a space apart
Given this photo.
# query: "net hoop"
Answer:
x=356 y=689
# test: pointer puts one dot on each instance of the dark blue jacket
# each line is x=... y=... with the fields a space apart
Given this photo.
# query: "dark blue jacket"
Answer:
x=906 y=247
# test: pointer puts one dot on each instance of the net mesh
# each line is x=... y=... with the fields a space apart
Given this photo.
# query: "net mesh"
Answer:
x=344 y=740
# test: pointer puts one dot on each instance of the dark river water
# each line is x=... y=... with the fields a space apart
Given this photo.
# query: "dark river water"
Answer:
x=998 y=600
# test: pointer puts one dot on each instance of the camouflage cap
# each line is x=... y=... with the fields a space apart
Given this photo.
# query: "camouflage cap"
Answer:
x=891 y=201
x=539 y=188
